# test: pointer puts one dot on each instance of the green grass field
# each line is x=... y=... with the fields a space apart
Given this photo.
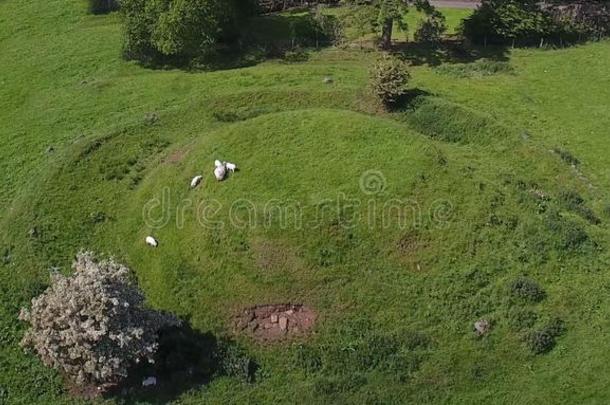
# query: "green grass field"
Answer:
x=467 y=195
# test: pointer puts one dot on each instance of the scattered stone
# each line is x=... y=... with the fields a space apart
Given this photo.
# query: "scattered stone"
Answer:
x=283 y=324
x=149 y=382
x=50 y=150
x=271 y=323
x=482 y=327
x=328 y=80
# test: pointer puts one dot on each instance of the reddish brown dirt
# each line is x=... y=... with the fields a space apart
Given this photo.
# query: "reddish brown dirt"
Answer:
x=272 y=323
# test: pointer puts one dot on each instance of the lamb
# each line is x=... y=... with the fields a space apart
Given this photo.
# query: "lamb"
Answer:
x=150 y=241
x=196 y=180
x=231 y=166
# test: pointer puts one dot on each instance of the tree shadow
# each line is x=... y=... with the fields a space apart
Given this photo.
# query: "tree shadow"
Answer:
x=186 y=359
x=272 y=36
x=448 y=51
x=407 y=100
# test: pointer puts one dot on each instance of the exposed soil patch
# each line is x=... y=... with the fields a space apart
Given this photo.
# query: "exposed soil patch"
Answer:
x=176 y=156
x=270 y=323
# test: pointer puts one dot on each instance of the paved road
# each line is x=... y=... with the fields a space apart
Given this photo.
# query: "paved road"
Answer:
x=455 y=4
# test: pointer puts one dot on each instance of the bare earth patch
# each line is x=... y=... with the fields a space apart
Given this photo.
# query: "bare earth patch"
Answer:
x=271 y=323
x=176 y=157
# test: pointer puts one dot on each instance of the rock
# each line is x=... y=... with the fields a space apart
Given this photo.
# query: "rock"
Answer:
x=50 y=149
x=283 y=324
x=274 y=318
x=149 y=381
x=328 y=80
x=482 y=327
x=289 y=312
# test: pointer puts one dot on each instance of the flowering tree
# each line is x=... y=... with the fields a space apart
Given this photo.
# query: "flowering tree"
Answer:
x=93 y=325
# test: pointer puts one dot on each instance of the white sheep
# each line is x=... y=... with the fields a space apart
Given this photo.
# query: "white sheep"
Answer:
x=231 y=166
x=150 y=241
x=217 y=163
x=196 y=180
x=220 y=172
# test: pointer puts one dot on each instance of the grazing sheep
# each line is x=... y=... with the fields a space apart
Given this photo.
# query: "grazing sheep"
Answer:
x=217 y=163
x=196 y=180
x=150 y=241
x=231 y=166
x=220 y=172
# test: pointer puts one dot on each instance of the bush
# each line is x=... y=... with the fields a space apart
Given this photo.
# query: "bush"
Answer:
x=505 y=21
x=103 y=6
x=431 y=29
x=93 y=325
x=527 y=289
x=171 y=31
x=543 y=340
x=389 y=79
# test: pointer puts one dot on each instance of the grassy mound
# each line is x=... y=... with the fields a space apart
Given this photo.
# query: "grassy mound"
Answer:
x=399 y=233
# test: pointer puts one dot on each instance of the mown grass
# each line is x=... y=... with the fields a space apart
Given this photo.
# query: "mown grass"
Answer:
x=474 y=155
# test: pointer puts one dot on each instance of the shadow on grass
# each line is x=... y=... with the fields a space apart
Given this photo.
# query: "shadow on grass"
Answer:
x=186 y=359
x=448 y=51
x=407 y=100
x=273 y=36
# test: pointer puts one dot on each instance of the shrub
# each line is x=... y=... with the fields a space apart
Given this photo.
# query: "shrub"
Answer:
x=575 y=203
x=572 y=236
x=103 y=6
x=567 y=157
x=431 y=29
x=543 y=340
x=527 y=289
x=389 y=79
x=93 y=325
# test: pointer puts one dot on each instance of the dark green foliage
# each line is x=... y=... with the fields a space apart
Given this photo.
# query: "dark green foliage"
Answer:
x=574 y=202
x=543 y=340
x=449 y=122
x=431 y=29
x=170 y=31
x=567 y=157
x=571 y=235
x=389 y=79
x=103 y=6
x=527 y=289
x=529 y=22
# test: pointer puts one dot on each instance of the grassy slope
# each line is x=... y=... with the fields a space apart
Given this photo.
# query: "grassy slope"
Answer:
x=70 y=90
